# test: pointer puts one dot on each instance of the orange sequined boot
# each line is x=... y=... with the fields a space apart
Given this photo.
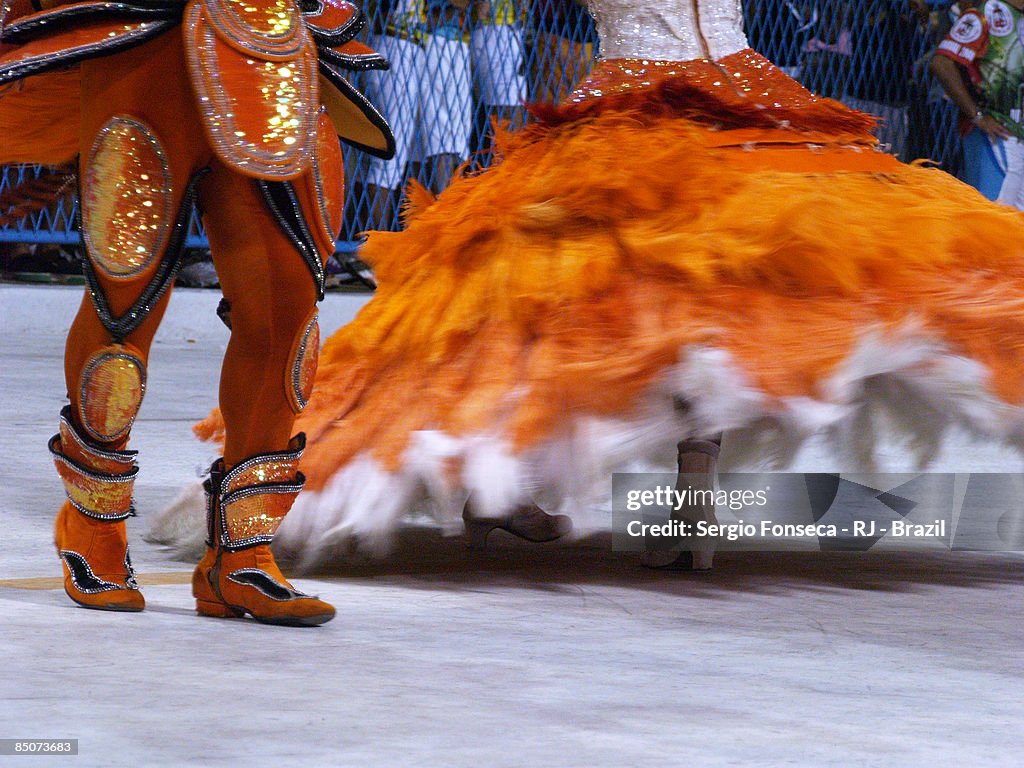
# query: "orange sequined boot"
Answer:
x=238 y=574
x=90 y=532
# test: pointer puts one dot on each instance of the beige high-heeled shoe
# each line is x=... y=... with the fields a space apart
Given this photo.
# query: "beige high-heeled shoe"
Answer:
x=528 y=522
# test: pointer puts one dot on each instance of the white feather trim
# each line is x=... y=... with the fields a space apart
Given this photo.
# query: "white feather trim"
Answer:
x=182 y=524
x=901 y=385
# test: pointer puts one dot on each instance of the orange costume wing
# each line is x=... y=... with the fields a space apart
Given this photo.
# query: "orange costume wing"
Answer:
x=235 y=56
x=39 y=86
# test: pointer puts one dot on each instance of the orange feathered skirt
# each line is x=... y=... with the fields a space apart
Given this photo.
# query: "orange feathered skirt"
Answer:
x=658 y=261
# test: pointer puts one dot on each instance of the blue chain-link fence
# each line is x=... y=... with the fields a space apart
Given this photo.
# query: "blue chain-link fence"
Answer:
x=452 y=71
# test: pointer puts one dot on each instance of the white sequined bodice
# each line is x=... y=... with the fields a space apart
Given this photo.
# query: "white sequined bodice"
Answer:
x=674 y=30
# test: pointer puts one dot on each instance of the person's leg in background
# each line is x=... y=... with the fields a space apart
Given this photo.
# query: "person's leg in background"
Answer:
x=396 y=93
x=497 y=58
x=141 y=145
x=1012 y=191
x=446 y=102
x=984 y=163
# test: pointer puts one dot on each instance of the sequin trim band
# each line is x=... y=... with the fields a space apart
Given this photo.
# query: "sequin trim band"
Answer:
x=62 y=17
x=359 y=62
x=304 y=360
x=99 y=495
x=129 y=579
x=283 y=202
x=340 y=33
x=276 y=467
x=263 y=582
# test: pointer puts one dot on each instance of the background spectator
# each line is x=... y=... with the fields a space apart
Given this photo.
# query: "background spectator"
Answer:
x=426 y=97
x=496 y=44
x=980 y=64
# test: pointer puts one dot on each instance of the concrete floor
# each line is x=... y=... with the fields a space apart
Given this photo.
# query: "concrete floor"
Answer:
x=564 y=655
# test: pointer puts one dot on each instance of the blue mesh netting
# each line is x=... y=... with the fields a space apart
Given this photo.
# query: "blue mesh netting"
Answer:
x=453 y=72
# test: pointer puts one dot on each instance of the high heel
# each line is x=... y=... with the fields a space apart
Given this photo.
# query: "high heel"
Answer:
x=528 y=522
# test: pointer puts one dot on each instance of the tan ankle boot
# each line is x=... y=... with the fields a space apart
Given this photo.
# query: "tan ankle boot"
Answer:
x=697 y=462
x=90 y=532
x=238 y=573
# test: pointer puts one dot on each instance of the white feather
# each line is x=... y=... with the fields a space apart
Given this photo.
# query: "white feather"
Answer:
x=902 y=385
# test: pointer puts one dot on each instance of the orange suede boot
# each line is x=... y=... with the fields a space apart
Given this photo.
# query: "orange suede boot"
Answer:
x=90 y=532
x=238 y=574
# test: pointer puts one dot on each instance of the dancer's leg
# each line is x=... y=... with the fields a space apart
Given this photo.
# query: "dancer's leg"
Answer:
x=266 y=379
x=138 y=153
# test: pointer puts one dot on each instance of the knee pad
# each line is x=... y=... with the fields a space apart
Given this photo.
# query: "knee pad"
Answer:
x=110 y=391
x=302 y=361
x=127 y=204
x=132 y=226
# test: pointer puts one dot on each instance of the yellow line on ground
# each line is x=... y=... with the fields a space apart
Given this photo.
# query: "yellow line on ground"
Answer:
x=55 y=582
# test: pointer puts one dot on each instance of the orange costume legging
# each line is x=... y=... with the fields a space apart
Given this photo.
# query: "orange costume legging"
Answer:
x=267 y=284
